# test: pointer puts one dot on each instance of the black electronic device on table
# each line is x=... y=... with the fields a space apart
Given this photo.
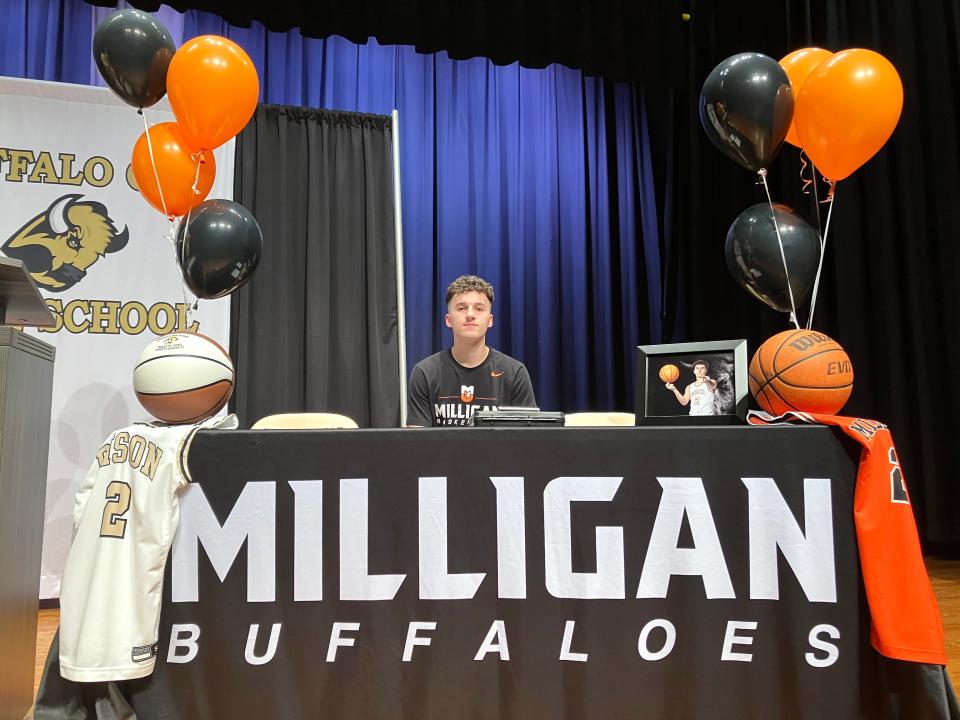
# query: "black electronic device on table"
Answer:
x=517 y=417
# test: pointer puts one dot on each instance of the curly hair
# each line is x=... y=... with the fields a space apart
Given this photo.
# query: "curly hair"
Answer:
x=469 y=283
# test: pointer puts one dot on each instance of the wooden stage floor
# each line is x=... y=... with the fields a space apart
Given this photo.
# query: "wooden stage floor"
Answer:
x=944 y=575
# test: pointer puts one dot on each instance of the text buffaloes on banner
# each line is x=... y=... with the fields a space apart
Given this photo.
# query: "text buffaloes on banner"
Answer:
x=603 y=565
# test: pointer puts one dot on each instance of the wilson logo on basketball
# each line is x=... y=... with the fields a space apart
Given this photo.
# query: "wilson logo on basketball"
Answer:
x=466 y=393
x=808 y=341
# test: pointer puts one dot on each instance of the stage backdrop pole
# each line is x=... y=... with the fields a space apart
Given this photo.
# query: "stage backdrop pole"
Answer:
x=398 y=236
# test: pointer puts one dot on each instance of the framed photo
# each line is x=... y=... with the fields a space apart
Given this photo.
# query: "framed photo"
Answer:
x=697 y=383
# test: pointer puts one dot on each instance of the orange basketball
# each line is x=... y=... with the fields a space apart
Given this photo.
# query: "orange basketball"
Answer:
x=801 y=370
x=669 y=373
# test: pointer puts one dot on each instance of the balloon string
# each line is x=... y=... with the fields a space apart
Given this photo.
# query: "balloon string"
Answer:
x=806 y=190
x=177 y=248
x=171 y=230
x=198 y=157
x=196 y=189
x=816 y=205
x=153 y=163
x=832 y=184
x=183 y=283
x=803 y=175
x=793 y=308
x=823 y=248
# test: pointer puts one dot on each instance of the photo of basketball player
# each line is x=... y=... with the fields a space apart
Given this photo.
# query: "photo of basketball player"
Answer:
x=691 y=384
x=700 y=395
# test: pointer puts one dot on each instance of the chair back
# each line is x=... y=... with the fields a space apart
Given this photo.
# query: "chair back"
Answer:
x=599 y=419
x=295 y=421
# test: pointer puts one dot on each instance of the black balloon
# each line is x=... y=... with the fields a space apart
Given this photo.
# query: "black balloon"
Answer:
x=132 y=50
x=753 y=254
x=746 y=106
x=219 y=248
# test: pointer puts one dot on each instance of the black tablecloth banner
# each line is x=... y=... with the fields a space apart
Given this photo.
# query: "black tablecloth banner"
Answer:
x=260 y=619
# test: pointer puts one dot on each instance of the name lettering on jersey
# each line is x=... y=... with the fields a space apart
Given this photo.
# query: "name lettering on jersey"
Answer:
x=866 y=428
x=135 y=451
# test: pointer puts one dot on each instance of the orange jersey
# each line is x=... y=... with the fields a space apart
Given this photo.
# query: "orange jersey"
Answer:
x=905 y=620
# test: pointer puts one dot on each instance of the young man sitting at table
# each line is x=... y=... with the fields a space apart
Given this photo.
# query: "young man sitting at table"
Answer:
x=449 y=386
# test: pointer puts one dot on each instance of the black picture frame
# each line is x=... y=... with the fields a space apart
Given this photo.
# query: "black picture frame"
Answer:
x=655 y=404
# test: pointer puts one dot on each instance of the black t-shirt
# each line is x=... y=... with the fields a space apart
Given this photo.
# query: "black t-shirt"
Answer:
x=444 y=392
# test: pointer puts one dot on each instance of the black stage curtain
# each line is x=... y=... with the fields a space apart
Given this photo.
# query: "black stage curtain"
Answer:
x=316 y=328
x=890 y=290
x=630 y=40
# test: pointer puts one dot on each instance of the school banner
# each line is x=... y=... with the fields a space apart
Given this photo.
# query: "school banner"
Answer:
x=103 y=261
x=606 y=573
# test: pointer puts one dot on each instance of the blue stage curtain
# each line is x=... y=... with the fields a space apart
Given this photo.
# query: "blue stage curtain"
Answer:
x=538 y=180
x=47 y=40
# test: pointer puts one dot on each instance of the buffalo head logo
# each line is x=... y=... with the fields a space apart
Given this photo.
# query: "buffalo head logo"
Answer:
x=466 y=393
x=57 y=246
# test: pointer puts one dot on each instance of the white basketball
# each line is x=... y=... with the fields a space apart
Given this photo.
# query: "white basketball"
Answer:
x=183 y=378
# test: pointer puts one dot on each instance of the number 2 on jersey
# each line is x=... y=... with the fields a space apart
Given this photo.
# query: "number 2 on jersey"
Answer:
x=898 y=489
x=118 y=502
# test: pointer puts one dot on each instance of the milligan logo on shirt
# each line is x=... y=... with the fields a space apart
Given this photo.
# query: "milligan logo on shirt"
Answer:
x=466 y=393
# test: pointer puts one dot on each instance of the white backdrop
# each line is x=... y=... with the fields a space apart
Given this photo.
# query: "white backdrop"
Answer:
x=58 y=140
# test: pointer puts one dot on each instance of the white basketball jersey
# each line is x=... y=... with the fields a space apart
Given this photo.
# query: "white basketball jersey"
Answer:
x=124 y=520
x=701 y=399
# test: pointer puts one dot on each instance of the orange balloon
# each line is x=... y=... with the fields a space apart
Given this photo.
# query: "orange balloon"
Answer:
x=798 y=65
x=176 y=165
x=847 y=109
x=213 y=90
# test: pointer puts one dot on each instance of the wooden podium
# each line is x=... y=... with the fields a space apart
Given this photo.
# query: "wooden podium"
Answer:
x=26 y=387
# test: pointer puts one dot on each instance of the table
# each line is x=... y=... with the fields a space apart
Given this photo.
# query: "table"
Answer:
x=501 y=573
